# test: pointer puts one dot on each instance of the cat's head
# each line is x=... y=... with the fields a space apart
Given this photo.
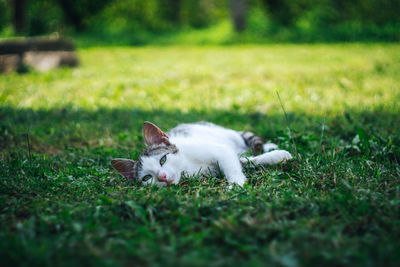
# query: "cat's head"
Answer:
x=159 y=162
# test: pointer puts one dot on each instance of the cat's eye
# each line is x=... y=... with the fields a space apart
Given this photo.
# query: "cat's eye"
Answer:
x=146 y=178
x=163 y=159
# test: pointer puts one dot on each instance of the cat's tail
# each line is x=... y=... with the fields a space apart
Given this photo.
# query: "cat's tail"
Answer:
x=269 y=157
x=253 y=141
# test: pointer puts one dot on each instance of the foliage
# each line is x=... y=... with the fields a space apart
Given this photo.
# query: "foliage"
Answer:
x=337 y=203
x=143 y=21
x=44 y=17
x=5 y=16
x=330 y=12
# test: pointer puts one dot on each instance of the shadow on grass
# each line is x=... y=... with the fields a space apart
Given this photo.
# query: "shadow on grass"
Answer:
x=51 y=131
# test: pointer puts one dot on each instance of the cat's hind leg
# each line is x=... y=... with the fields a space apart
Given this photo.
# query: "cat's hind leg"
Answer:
x=269 y=158
x=256 y=144
x=267 y=147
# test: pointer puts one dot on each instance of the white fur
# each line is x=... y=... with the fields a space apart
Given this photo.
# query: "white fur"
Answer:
x=202 y=147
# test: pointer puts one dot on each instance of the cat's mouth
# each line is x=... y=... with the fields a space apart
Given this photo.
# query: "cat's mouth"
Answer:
x=168 y=182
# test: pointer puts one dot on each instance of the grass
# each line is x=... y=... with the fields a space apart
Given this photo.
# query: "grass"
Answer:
x=337 y=203
x=259 y=30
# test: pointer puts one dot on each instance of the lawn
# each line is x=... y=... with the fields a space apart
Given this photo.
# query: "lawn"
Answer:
x=336 y=203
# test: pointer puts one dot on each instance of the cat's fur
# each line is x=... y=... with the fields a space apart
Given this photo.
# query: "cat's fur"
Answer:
x=193 y=149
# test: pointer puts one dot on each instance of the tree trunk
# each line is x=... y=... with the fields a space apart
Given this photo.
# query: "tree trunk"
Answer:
x=239 y=11
x=72 y=14
x=19 y=15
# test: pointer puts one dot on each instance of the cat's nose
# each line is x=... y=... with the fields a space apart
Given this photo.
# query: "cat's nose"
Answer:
x=162 y=177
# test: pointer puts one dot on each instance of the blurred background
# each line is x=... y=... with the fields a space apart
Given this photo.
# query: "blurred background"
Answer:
x=319 y=78
x=137 y=22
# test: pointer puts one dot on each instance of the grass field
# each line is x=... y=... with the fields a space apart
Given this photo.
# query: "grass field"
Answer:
x=336 y=203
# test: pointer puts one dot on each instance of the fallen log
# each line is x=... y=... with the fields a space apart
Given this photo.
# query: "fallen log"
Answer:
x=38 y=53
x=19 y=46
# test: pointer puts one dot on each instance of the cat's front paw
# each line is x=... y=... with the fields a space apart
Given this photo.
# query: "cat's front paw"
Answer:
x=239 y=180
x=277 y=156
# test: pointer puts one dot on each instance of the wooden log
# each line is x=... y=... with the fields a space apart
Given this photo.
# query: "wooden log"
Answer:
x=20 y=46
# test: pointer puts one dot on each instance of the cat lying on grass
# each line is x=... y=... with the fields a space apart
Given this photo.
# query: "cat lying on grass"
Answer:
x=193 y=149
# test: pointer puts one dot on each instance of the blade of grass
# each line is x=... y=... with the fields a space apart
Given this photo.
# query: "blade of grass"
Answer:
x=322 y=135
x=288 y=124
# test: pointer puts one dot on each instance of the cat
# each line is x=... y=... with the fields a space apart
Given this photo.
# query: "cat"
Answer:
x=194 y=149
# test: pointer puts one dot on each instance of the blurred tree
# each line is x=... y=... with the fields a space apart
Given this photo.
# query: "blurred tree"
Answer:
x=132 y=16
x=170 y=10
x=334 y=12
x=77 y=11
x=5 y=14
x=19 y=15
x=286 y=12
x=201 y=13
x=377 y=12
x=44 y=16
x=239 y=11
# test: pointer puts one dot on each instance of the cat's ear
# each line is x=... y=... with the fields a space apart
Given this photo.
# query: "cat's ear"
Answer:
x=153 y=135
x=126 y=167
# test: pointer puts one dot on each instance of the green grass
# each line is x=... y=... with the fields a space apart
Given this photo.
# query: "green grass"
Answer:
x=337 y=203
x=259 y=31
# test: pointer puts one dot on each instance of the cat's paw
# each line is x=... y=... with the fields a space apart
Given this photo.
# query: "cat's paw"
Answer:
x=277 y=156
x=239 y=180
x=269 y=146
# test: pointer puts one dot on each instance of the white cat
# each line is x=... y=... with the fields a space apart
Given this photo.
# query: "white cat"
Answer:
x=194 y=149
